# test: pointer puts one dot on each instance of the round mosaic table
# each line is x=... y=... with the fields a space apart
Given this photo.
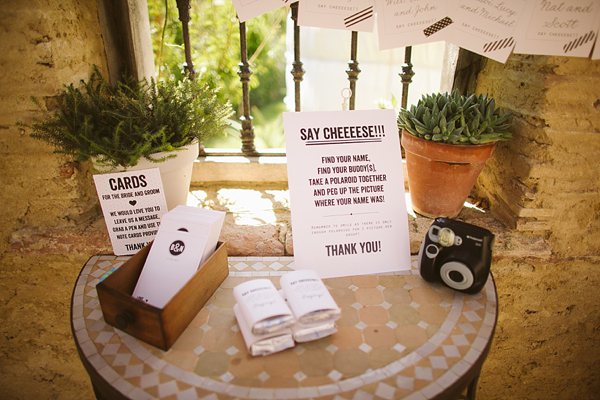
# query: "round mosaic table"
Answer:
x=398 y=337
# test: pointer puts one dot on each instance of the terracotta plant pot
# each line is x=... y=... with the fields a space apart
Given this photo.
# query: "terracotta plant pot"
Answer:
x=440 y=175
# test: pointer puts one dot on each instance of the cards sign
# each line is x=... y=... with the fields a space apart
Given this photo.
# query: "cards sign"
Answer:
x=132 y=203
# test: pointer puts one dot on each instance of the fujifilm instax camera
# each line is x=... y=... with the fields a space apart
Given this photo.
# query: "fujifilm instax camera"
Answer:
x=456 y=254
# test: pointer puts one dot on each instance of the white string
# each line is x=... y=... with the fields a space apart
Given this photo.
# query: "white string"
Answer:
x=346 y=94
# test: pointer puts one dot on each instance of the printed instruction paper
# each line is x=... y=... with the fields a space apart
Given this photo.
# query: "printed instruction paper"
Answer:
x=347 y=195
x=133 y=203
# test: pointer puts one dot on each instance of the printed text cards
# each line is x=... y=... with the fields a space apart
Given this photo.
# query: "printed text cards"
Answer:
x=409 y=22
x=352 y=15
x=347 y=192
x=486 y=27
x=557 y=27
x=247 y=9
x=133 y=204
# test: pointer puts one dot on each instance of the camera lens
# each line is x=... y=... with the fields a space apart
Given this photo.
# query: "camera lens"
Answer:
x=456 y=275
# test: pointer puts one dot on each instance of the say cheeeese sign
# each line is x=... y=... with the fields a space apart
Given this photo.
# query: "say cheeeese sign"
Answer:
x=346 y=185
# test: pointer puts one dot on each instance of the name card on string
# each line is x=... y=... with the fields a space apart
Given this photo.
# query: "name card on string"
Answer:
x=562 y=28
x=596 y=52
x=351 y=15
x=405 y=23
x=248 y=9
x=485 y=27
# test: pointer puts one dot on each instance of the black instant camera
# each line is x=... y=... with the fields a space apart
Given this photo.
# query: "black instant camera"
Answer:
x=457 y=254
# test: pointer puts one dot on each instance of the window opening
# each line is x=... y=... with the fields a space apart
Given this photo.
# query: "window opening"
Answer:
x=269 y=64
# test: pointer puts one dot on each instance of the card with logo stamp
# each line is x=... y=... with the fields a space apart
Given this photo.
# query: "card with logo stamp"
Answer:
x=186 y=238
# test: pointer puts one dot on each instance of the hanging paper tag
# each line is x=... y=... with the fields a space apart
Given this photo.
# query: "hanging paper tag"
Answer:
x=562 y=28
x=348 y=15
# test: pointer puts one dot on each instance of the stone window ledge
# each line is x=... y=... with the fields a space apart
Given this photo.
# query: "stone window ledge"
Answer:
x=254 y=194
x=250 y=170
x=233 y=169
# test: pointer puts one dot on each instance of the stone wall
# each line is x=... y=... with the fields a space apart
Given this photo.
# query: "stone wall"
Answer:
x=44 y=44
x=546 y=180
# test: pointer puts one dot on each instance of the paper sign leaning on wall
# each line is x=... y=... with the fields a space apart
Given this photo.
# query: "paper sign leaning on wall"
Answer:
x=347 y=196
x=133 y=203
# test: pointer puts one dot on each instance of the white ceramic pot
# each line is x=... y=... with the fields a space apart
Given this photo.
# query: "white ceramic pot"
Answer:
x=175 y=173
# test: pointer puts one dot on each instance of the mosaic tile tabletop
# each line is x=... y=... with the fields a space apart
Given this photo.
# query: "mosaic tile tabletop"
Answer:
x=398 y=337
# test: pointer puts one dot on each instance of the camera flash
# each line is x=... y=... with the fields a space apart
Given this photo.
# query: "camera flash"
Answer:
x=446 y=237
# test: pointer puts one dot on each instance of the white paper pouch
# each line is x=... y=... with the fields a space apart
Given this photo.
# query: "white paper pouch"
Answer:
x=308 y=297
x=265 y=344
x=263 y=308
x=306 y=333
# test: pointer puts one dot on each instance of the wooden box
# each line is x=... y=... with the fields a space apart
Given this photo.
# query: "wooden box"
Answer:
x=158 y=327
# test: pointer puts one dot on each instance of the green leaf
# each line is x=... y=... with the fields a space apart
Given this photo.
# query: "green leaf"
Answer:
x=412 y=131
x=421 y=129
x=502 y=119
x=483 y=126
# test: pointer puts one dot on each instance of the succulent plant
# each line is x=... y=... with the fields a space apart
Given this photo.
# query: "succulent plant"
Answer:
x=456 y=119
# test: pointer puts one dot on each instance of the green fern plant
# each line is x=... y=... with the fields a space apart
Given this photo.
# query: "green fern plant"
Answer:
x=117 y=126
x=456 y=119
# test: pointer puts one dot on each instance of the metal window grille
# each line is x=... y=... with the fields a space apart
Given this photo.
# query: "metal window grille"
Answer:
x=245 y=72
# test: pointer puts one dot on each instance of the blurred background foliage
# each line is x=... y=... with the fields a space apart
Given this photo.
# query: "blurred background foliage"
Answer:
x=215 y=42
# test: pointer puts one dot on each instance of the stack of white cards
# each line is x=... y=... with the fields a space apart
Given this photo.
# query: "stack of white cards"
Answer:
x=186 y=238
x=271 y=320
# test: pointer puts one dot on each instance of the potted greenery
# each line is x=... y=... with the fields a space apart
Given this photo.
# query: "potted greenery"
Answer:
x=447 y=139
x=135 y=125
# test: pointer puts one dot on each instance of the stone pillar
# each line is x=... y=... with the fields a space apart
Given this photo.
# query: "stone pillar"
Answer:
x=547 y=179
